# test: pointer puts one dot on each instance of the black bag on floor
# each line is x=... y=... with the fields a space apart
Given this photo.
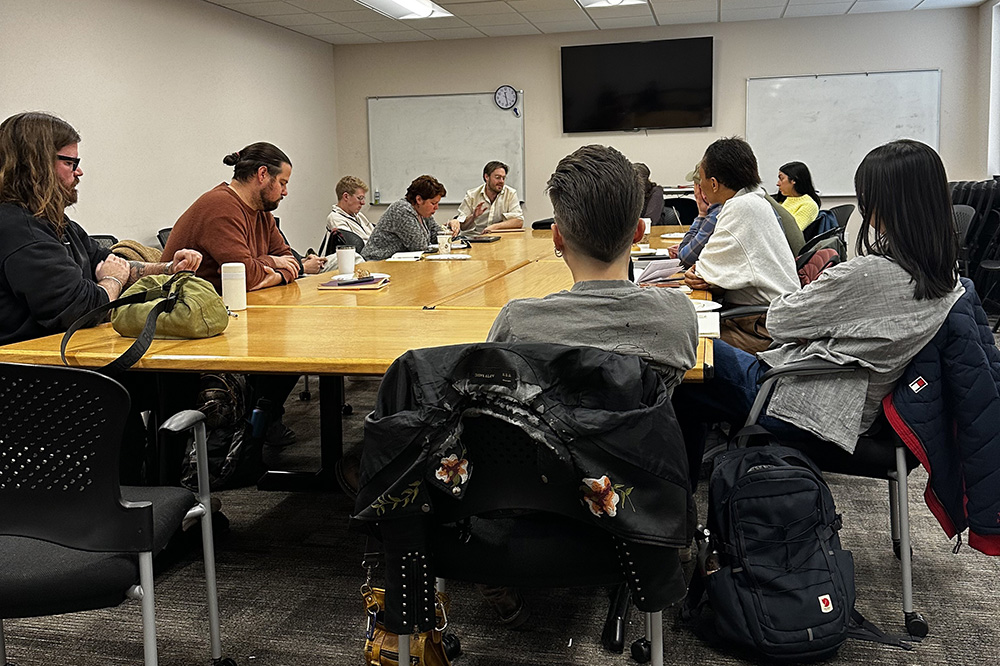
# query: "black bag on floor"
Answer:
x=235 y=433
x=783 y=586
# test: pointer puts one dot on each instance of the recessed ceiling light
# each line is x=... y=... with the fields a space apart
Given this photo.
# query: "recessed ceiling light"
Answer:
x=587 y=4
x=406 y=9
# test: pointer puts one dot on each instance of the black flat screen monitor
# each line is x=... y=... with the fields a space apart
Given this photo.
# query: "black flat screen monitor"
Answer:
x=637 y=85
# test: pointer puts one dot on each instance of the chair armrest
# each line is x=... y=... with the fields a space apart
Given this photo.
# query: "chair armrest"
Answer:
x=742 y=311
x=183 y=420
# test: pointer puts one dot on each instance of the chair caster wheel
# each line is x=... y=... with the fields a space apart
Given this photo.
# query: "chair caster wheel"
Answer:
x=347 y=410
x=916 y=625
x=223 y=662
x=897 y=549
x=452 y=646
x=641 y=650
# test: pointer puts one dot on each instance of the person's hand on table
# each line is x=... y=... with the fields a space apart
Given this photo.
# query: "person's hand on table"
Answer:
x=672 y=251
x=693 y=280
x=185 y=260
x=455 y=227
x=113 y=266
x=286 y=261
x=271 y=278
x=313 y=264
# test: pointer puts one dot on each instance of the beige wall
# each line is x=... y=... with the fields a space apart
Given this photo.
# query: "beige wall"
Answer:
x=945 y=39
x=160 y=92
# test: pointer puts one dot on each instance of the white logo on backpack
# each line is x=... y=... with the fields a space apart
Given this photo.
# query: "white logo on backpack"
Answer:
x=825 y=603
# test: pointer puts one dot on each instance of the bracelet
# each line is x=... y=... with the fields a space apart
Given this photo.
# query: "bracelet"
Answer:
x=170 y=267
x=121 y=285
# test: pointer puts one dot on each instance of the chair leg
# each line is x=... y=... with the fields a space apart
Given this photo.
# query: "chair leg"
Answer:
x=3 y=647
x=441 y=585
x=208 y=541
x=894 y=513
x=148 y=609
x=916 y=625
x=404 y=649
x=654 y=633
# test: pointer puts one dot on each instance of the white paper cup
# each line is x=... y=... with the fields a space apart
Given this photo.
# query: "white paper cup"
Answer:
x=346 y=256
x=444 y=243
x=234 y=285
x=647 y=224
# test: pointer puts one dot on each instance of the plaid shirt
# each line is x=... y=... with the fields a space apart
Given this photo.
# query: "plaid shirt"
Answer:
x=697 y=236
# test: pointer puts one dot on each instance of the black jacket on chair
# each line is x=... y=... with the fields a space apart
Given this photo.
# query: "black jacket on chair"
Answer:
x=602 y=437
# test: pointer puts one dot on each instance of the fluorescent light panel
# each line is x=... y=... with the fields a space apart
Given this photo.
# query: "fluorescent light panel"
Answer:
x=587 y=4
x=407 y=9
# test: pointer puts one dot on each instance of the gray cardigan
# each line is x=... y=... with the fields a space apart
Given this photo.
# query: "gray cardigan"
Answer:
x=861 y=311
x=399 y=229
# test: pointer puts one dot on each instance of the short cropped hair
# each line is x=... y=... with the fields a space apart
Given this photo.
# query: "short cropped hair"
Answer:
x=350 y=185
x=596 y=201
x=249 y=160
x=425 y=187
x=493 y=166
x=731 y=161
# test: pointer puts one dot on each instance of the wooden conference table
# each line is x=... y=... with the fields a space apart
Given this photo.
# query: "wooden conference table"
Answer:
x=299 y=329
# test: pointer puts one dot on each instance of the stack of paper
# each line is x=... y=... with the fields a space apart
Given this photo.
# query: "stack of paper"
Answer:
x=660 y=270
x=407 y=256
x=348 y=282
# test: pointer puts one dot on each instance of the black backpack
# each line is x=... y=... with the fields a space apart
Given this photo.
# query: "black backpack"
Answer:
x=782 y=585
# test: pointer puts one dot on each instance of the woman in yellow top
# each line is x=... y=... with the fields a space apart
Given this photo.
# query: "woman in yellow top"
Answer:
x=797 y=194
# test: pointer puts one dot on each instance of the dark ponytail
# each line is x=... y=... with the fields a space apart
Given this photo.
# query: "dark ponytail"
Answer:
x=249 y=160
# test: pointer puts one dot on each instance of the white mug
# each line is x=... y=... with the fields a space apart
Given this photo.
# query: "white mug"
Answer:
x=444 y=243
x=346 y=257
x=234 y=285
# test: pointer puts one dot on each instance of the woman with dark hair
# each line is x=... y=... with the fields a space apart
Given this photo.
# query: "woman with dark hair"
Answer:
x=652 y=206
x=797 y=194
x=876 y=311
x=408 y=225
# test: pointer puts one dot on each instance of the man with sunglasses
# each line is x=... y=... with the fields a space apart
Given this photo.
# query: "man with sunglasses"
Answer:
x=52 y=271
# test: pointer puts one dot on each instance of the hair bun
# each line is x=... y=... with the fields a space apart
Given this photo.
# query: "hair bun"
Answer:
x=231 y=159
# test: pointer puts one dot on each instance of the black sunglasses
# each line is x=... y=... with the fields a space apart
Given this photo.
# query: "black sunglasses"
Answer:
x=75 y=161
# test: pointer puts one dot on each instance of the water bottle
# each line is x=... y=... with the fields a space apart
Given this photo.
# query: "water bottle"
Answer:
x=376 y=196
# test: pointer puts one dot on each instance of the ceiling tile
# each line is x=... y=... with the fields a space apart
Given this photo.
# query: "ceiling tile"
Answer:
x=330 y=28
x=261 y=9
x=354 y=38
x=408 y=36
x=478 y=8
x=353 y=16
x=324 y=5
x=292 y=20
x=682 y=18
x=496 y=19
x=685 y=7
x=625 y=22
x=619 y=12
x=509 y=30
x=824 y=9
x=557 y=15
x=447 y=3
x=753 y=14
x=385 y=25
x=565 y=26
x=452 y=33
x=943 y=4
x=438 y=23
x=752 y=4
x=872 y=6
x=541 y=5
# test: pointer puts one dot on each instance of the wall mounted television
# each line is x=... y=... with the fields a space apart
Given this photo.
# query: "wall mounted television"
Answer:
x=664 y=84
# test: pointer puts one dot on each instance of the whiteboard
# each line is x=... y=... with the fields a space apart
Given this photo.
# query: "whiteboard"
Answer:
x=450 y=137
x=832 y=121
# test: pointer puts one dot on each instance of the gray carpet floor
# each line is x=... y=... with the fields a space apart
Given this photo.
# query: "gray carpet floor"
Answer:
x=289 y=575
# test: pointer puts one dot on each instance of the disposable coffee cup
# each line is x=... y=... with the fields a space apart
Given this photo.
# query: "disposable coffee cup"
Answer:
x=346 y=257
x=444 y=243
x=234 y=286
x=647 y=225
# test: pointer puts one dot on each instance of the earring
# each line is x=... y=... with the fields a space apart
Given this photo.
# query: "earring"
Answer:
x=557 y=252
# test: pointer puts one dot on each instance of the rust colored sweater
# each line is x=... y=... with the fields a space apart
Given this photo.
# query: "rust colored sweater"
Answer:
x=223 y=228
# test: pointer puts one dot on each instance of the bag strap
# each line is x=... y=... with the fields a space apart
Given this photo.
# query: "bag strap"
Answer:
x=145 y=338
x=863 y=629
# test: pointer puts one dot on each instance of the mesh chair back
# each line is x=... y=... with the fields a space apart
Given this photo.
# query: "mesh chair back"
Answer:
x=162 y=235
x=104 y=240
x=963 y=220
x=60 y=434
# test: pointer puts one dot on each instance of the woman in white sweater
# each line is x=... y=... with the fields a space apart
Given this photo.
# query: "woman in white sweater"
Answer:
x=747 y=260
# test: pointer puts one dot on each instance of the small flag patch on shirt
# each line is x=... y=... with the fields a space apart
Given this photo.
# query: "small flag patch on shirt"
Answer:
x=918 y=384
x=825 y=603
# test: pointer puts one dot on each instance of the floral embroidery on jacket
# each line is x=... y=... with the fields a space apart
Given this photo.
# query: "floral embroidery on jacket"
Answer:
x=602 y=496
x=453 y=470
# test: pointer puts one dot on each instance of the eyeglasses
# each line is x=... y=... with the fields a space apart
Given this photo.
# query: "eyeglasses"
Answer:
x=75 y=161
x=360 y=198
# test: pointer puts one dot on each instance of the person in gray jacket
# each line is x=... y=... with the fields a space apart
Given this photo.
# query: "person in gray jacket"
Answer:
x=408 y=225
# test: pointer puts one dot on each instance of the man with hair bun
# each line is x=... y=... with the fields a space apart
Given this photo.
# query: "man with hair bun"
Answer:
x=232 y=222
x=492 y=205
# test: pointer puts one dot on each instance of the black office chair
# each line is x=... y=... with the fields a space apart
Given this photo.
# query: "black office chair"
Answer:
x=162 y=235
x=485 y=465
x=880 y=454
x=71 y=539
x=964 y=215
x=685 y=207
x=340 y=237
x=544 y=223
x=843 y=214
x=104 y=240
